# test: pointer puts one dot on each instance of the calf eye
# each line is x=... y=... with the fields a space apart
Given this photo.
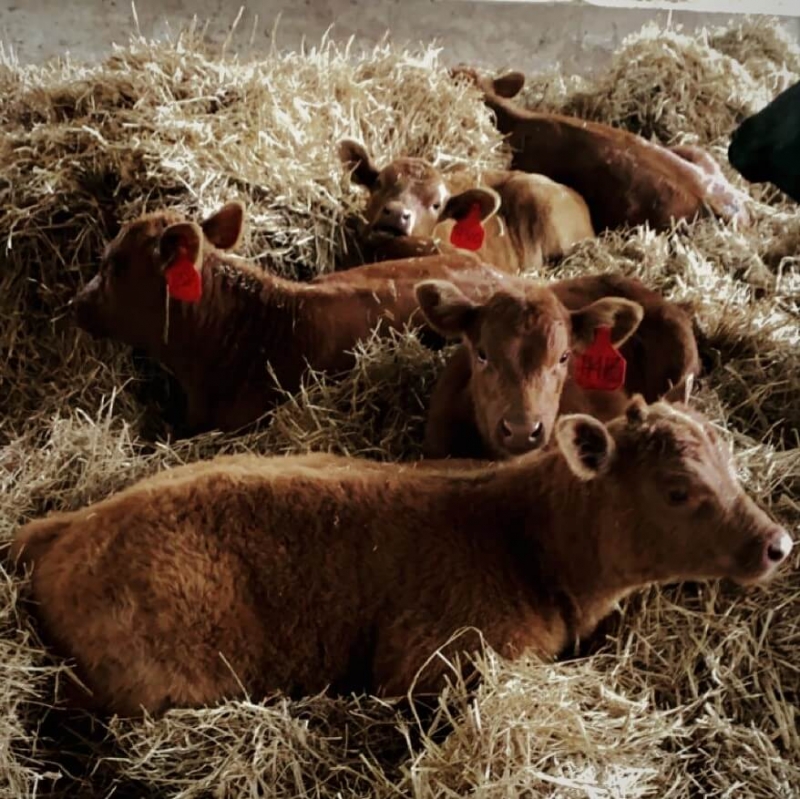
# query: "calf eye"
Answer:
x=436 y=206
x=565 y=357
x=480 y=354
x=678 y=496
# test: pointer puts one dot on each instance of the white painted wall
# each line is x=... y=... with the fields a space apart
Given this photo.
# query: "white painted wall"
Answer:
x=526 y=35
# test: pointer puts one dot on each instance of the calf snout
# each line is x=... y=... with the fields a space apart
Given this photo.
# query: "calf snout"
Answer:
x=396 y=217
x=520 y=436
x=86 y=306
x=776 y=549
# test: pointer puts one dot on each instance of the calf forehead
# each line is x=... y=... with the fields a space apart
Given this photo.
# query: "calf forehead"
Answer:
x=532 y=330
x=410 y=174
x=140 y=233
x=675 y=435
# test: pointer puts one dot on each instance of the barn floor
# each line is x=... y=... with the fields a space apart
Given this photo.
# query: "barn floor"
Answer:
x=694 y=692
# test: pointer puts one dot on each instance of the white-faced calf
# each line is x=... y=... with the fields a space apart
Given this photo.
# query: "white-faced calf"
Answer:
x=529 y=218
x=501 y=391
x=256 y=575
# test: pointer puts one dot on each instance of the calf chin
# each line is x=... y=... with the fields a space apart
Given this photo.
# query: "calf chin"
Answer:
x=86 y=308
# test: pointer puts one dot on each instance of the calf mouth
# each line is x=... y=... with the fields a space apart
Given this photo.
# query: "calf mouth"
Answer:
x=392 y=231
x=505 y=451
x=88 y=319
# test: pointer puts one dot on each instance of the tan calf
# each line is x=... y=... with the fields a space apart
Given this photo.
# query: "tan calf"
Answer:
x=529 y=219
x=248 y=574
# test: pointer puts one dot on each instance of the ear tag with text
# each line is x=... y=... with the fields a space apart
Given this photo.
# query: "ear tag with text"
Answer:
x=600 y=366
x=183 y=280
x=468 y=232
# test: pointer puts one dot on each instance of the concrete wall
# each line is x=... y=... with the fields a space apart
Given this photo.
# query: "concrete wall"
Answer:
x=526 y=35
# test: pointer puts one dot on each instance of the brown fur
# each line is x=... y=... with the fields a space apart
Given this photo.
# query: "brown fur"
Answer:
x=624 y=179
x=293 y=574
x=537 y=219
x=221 y=349
x=500 y=393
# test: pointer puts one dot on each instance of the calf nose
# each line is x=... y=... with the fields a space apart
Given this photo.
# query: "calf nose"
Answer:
x=396 y=217
x=521 y=436
x=87 y=291
x=778 y=547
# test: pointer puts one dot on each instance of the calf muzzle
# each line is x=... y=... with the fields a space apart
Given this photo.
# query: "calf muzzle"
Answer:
x=395 y=218
x=520 y=437
x=85 y=305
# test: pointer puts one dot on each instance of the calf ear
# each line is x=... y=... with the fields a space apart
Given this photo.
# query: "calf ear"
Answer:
x=586 y=445
x=224 y=228
x=184 y=239
x=680 y=392
x=448 y=310
x=459 y=205
x=355 y=157
x=508 y=85
x=622 y=316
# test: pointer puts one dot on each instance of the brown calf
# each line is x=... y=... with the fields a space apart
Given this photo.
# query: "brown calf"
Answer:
x=500 y=393
x=624 y=179
x=530 y=218
x=256 y=575
x=251 y=334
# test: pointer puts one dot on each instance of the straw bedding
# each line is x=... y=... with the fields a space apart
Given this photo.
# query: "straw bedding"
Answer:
x=695 y=689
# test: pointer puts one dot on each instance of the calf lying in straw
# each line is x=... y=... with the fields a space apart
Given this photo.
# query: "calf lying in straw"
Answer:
x=247 y=574
x=625 y=179
x=501 y=391
x=532 y=219
x=234 y=335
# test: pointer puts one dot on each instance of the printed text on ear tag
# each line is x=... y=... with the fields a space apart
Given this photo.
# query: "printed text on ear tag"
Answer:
x=600 y=366
x=468 y=232
x=183 y=280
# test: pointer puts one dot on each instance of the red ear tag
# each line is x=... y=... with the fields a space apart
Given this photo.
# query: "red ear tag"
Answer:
x=600 y=366
x=183 y=280
x=468 y=232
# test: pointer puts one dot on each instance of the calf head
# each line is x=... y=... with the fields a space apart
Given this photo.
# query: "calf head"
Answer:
x=677 y=490
x=409 y=197
x=520 y=341
x=766 y=146
x=126 y=299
